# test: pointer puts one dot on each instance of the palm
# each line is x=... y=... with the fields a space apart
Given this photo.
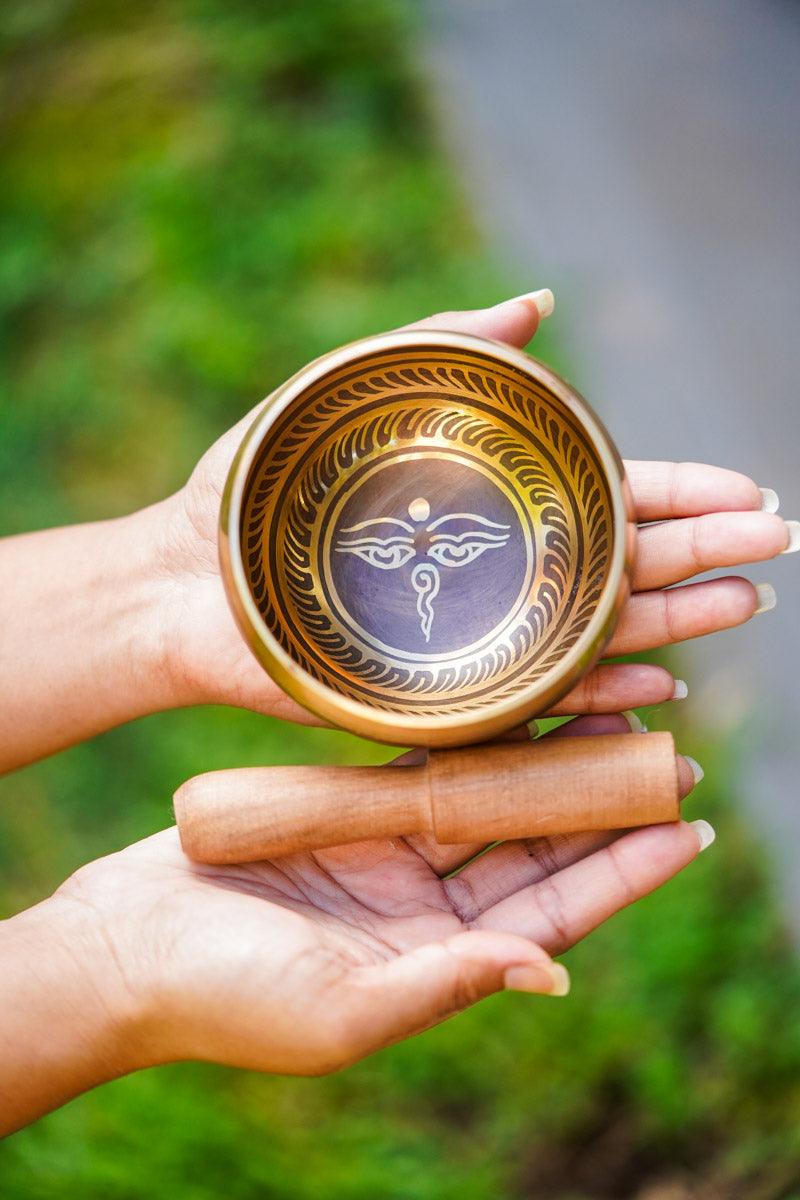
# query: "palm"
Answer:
x=359 y=904
x=369 y=901
x=239 y=944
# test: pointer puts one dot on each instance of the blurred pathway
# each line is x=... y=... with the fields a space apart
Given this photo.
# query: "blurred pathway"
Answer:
x=644 y=161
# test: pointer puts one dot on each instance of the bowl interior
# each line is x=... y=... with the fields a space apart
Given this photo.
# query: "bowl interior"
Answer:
x=427 y=529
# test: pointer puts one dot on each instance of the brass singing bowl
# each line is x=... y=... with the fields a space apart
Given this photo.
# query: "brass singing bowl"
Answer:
x=426 y=538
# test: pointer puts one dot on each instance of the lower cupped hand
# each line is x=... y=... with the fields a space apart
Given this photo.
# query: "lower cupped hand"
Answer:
x=307 y=963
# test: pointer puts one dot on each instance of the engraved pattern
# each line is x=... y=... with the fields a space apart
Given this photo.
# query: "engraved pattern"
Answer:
x=357 y=419
x=394 y=550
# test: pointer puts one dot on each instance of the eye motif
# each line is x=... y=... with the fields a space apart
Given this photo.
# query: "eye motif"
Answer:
x=386 y=554
x=456 y=550
x=446 y=549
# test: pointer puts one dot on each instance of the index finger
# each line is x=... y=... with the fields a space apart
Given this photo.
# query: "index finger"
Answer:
x=558 y=911
x=662 y=490
x=513 y=321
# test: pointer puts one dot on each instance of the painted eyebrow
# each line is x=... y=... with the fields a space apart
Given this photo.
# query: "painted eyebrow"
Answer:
x=466 y=517
x=490 y=539
x=379 y=521
x=397 y=540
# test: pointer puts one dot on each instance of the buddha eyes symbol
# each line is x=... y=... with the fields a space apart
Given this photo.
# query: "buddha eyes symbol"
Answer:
x=394 y=550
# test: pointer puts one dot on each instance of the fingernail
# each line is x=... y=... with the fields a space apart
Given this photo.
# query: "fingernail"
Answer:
x=561 y=980
x=697 y=770
x=636 y=725
x=681 y=690
x=533 y=729
x=705 y=833
x=794 y=537
x=770 y=501
x=767 y=598
x=544 y=300
x=551 y=979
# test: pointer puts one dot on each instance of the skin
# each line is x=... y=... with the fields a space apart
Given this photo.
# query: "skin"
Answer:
x=310 y=962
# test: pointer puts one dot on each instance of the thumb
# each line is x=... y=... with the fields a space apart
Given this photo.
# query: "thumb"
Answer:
x=513 y=321
x=433 y=982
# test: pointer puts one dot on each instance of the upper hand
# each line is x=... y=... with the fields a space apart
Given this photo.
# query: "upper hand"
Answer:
x=707 y=517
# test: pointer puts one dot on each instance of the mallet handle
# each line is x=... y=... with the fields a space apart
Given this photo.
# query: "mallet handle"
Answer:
x=480 y=793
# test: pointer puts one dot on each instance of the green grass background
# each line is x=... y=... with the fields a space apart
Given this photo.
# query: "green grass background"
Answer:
x=196 y=198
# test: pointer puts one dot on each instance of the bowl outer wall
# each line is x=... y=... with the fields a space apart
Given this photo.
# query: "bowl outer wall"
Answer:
x=399 y=728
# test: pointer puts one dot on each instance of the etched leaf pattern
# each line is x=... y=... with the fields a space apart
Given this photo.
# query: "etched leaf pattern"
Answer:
x=448 y=687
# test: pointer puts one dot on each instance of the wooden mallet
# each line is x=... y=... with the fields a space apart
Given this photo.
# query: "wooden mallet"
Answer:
x=480 y=793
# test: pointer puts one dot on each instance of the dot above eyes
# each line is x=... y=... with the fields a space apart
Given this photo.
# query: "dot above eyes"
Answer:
x=419 y=509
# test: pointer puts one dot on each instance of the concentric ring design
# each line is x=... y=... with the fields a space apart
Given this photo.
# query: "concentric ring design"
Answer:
x=427 y=530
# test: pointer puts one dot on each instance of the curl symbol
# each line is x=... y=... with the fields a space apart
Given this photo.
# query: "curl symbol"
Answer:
x=425 y=582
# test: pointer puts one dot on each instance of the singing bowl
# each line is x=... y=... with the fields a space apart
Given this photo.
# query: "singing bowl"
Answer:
x=426 y=537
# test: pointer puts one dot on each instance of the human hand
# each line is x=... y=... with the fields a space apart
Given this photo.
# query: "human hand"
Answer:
x=303 y=964
x=706 y=517
x=142 y=622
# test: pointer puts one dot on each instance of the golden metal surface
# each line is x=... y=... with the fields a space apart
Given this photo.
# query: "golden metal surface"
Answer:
x=426 y=537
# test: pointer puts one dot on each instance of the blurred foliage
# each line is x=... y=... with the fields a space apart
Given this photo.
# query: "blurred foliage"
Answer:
x=196 y=199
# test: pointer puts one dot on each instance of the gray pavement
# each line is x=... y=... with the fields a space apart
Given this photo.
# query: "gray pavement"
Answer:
x=643 y=160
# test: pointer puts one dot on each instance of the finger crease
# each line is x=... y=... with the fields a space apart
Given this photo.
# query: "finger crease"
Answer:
x=543 y=852
x=462 y=898
x=551 y=906
x=694 y=546
x=673 y=488
x=668 y=612
x=629 y=893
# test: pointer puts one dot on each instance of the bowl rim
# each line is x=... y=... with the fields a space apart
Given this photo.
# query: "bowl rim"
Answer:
x=385 y=725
